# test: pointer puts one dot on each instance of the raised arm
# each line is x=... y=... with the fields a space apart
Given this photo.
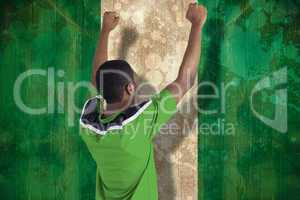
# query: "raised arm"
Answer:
x=196 y=14
x=110 y=21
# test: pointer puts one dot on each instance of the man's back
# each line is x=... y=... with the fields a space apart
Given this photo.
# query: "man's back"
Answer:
x=121 y=145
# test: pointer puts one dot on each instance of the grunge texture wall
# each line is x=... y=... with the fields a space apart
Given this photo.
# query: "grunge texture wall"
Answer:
x=42 y=156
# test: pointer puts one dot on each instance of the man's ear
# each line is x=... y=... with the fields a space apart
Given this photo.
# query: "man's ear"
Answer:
x=130 y=88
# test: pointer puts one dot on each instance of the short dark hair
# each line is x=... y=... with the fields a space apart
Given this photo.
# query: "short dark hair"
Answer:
x=111 y=79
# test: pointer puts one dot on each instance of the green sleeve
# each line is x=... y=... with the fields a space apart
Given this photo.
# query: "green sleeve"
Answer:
x=162 y=109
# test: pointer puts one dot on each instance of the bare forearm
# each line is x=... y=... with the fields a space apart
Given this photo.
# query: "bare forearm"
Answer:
x=191 y=58
x=101 y=52
x=110 y=21
x=188 y=69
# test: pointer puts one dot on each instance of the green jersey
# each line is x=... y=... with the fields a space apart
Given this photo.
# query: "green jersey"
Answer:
x=122 y=148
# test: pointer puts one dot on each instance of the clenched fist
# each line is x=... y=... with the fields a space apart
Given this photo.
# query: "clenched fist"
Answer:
x=110 y=20
x=196 y=14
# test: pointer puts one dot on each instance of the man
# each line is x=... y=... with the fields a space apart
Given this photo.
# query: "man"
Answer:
x=119 y=135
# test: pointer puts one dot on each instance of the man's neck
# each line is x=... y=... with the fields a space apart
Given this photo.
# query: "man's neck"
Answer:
x=116 y=107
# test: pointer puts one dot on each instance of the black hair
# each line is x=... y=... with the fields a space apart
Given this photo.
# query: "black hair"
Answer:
x=112 y=78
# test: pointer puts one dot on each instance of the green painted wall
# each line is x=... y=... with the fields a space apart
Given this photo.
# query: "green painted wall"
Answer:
x=244 y=42
x=42 y=156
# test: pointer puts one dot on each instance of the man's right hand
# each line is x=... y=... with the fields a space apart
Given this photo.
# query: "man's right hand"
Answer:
x=110 y=20
x=196 y=14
